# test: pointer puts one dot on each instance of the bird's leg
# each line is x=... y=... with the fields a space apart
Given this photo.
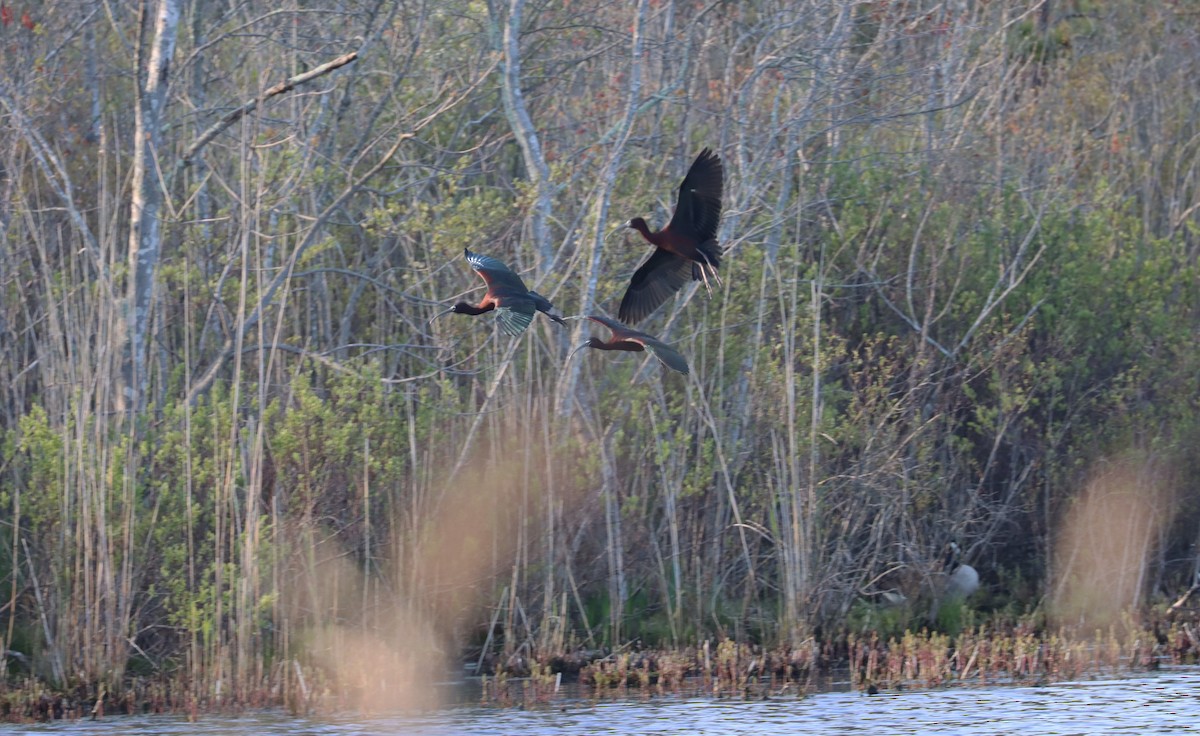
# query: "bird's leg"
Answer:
x=704 y=277
x=712 y=267
x=705 y=265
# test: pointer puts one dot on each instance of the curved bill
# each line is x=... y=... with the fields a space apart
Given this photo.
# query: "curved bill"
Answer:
x=579 y=347
x=618 y=228
x=439 y=314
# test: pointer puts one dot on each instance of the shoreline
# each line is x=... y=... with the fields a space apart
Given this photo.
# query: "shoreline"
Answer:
x=870 y=664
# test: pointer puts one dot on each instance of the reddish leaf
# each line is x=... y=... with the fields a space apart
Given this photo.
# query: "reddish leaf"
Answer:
x=5 y=14
x=26 y=20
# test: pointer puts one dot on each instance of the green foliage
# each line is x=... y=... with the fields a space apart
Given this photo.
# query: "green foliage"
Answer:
x=41 y=446
x=954 y=617
x=889 y=622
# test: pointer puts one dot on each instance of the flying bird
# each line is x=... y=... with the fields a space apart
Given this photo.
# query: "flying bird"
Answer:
x=513 y=302
x=686 y=249
x=629 y=339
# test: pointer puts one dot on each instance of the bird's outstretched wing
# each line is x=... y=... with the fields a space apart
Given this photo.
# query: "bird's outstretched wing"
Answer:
x=514 y=318
x=698 y=209
x=618 y=329
x=493 y=272
x=663 y=274
x=669 y=356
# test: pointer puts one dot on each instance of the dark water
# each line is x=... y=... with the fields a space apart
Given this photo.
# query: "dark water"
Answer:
x=1163 y=702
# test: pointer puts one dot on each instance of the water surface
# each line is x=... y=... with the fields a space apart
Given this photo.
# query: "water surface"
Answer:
x=1163 y=702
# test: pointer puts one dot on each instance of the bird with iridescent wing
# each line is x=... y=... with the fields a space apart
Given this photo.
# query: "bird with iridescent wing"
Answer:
x=514 y=303
x=628 y=339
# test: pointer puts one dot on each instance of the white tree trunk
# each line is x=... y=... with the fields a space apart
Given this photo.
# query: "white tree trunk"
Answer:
x=522 y=127
x=145 y=233
x=608 y=181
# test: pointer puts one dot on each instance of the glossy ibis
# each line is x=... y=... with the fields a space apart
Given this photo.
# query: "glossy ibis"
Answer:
x=686 y=249
x=626 y=338
x=507 y=294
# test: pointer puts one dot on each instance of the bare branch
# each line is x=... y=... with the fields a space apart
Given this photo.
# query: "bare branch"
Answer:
x=317 y=230
x=237 y=113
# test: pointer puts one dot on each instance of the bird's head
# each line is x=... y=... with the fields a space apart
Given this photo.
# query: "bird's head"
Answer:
x=638 y=224
x=459 y=308
x=950 y=557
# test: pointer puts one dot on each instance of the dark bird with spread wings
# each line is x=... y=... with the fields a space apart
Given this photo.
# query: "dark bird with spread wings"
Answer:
x=506 y=294
x=628 y=339
x=686 y=249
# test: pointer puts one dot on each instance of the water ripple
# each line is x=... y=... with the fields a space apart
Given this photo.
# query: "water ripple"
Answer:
x=1165 y=702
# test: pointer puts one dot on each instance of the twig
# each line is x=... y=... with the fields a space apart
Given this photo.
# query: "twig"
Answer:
x=59 y=670
x=491 y=630
x=970 y=662
x=236 y=114
x=300 y=679
x=98 y=708
x=286 y=274
x=1183 y=598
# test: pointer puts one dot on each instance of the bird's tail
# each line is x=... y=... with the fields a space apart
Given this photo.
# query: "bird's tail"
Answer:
x=543 y=305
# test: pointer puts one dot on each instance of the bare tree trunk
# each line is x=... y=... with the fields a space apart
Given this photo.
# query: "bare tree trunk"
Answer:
x=810 y=550
x=145 y=233
x=608 y=182
x=522 y=126
x=615 y=547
